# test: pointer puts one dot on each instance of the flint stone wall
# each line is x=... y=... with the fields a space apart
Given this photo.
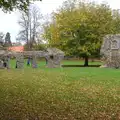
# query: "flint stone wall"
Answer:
x=53 y=57
x=110 y=51
x=20 y=61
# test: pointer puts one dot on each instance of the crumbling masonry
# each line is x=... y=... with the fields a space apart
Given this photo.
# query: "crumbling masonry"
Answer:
x=53 y=57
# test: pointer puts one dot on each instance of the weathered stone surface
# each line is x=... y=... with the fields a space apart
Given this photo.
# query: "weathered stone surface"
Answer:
x=4 y=59
x=19 y=61
x=110 y=51
x=53 y=57
x=1 y=64
x=34 y=62
x=7 y=61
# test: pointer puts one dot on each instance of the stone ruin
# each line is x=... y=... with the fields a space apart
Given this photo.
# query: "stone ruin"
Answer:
x=53 y=58
x=110 y=51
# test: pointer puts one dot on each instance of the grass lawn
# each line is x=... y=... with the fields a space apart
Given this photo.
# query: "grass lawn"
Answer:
x=77 y=62
x=60 y=94
x=42 y=63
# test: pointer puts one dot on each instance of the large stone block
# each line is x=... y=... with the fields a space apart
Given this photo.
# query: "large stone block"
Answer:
x=110 y=51
x=34 y=62
x=19 y=61
x=54 y=57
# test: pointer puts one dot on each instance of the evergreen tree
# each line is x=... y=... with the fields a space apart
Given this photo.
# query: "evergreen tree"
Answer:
x=8 y=42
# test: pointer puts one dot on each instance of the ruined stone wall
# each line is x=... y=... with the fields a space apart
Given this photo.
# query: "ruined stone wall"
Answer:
x=52 y=62
x=110 y=51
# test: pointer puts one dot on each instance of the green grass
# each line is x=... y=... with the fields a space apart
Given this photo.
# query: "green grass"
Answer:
x=42 y=63
x=60 y=94
x=77 y=62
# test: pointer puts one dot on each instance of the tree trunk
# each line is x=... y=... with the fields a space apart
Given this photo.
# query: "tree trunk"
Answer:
x=86 y=61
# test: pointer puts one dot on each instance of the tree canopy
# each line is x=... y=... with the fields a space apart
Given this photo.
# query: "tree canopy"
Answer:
x=78 y=28
x=9 y=5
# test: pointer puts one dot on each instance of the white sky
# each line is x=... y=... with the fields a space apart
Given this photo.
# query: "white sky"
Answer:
x=8 y=22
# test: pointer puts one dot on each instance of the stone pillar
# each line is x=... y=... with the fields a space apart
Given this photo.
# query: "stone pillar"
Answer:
x=19 y=61
x=34 y=62
x=1 y=64
x=54 y=62
x=115 y=59
x=7 y=61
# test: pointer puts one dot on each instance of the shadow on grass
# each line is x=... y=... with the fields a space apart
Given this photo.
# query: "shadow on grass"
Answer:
x=80 y=66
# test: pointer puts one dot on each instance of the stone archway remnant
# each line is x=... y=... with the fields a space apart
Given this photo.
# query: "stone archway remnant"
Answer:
x=52 y=62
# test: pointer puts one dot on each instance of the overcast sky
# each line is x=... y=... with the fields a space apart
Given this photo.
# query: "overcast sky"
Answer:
x=8 y=22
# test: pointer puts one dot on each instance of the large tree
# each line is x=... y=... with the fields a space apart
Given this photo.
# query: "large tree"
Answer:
x=78 y=28
x=30 y=24
x=9 y=5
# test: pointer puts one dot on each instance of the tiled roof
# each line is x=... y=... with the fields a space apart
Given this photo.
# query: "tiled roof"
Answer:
x=16 y=48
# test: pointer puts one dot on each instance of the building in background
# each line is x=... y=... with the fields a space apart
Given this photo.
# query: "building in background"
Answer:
x=16 y=48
